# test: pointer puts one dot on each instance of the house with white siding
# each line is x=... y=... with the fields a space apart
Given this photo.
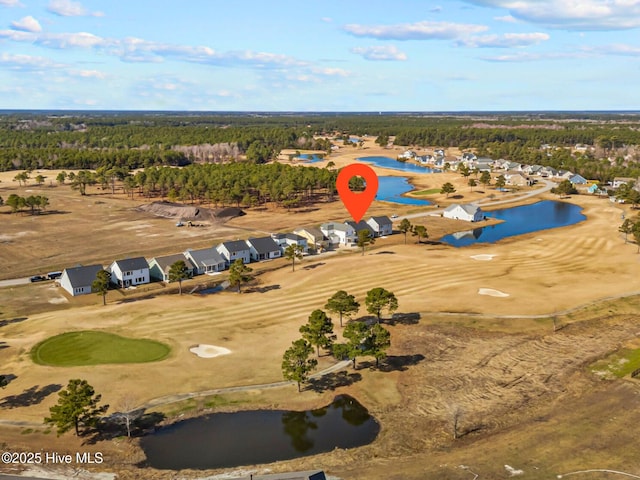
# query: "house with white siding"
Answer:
x=381 y=225
x=129 y=272
x=263 y=248
x=78 y=280
x=338 y=233
x=467 y=212
x=233 y=250
x=206 y=260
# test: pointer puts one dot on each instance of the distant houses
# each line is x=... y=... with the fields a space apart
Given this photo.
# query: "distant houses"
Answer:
x=467 y=212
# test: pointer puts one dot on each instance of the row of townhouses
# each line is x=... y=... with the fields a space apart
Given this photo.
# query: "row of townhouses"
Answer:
x=131 y=272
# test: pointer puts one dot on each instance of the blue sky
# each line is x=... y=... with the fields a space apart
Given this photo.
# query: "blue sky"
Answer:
x=417 y=55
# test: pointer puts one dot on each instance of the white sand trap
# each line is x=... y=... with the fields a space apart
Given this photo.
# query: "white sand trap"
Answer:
x=485 y=257
x=491 y=292
x=209 y=351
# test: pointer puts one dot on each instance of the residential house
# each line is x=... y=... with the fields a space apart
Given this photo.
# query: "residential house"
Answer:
x=129 y=272
x=263 y=248
x=517 y=179
x=381 y=225
x=467 y=212
x=425 y=159
x=468 y=156
x=578 y=180
x=361 y=225
x=439 y=152
x=78 y=280
x=206 y=260
x=548 y=172
x=338 y=233
x=234 y=249
x=564 y=174
x=285 y=239
x=409 y=154
x=316 y=240
x=619 y=181
x=159 y=266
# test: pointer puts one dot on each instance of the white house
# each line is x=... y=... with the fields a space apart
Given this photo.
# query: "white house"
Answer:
x=467 y=212
x=206 y=260
x=78 y=280
x=381 y=225
x=129 y=272
x=233 y=250
x=339 y=233
x=263 y=248
x=619 y=181
x=409 y=154
x=285 y=239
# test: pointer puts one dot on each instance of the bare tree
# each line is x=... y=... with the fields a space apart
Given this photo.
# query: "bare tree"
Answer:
x=129 y=413
x=456 y=413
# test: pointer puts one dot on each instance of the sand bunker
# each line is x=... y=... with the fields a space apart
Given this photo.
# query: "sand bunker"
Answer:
x=491 y=292
x=484 y=257
x=209 y=351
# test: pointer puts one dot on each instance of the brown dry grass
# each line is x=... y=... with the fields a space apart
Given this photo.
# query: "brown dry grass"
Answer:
x=513 y=378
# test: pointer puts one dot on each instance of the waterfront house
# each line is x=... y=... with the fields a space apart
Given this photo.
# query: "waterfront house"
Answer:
x=467 y=212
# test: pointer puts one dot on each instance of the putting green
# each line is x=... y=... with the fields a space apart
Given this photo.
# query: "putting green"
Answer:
x=74 y=349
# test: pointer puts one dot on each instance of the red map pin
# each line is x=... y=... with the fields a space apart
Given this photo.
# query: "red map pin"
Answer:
x=357 y=203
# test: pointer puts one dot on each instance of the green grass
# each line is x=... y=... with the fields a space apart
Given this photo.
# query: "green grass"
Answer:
x=95 y=348
x=621 y=363
x=430 y=191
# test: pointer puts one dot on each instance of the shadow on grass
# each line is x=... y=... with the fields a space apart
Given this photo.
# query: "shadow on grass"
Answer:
x=386 y=252
x=403 y=319
x=333 y=380
x=262 y=289
x=4 y=323
x=3 y=345
x=399 y=363
x=31 y=396
x=114 y=426
x=314 y=265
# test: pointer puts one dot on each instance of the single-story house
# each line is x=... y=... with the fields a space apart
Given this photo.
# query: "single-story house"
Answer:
x=285 y=239
x=338 y=233
x=316 y=240
x=129 y=272
x=467 y=212
x=578 y=180
x=78 y=280
x=159 y=266
x=381 y=225
x=234 y=249
x=206 y=260
x=361 y=225
x=263 y=248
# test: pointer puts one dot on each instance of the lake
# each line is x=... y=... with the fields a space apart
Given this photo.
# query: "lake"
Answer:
x=390 y=189
x=311 y=157
x=518 y=221
x=223 y=440
x=393 y=164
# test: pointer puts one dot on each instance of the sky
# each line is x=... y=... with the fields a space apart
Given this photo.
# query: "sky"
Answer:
x=287 y=55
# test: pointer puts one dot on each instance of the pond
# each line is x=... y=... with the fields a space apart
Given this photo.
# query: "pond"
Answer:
x=393 y=164
x=518 y=221
x=390 y=189
x=223 y=440
x=311 y=157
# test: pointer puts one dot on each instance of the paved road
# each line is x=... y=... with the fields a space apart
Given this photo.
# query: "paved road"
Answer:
x=14 y=281
x=507 y=198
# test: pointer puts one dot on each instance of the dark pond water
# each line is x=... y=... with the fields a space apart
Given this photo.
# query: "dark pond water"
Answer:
x=223 y=440
x=390 y=189
x=518 y=221
x=387 y=162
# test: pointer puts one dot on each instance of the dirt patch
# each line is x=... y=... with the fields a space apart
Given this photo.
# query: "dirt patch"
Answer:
x=190 y=212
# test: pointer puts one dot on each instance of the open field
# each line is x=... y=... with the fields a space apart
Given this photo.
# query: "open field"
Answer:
x=527 y=396
x=82 y=348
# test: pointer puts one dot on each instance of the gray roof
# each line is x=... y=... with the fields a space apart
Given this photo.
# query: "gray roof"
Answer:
x=82 y=276
x=165 y=262
x=361 y=225
x=205 y=257
x=383 y=220
x=137 y=263
x=235 y=246
x=335 y=226
x=289 y=236
x=264 y=244
x=470 y=208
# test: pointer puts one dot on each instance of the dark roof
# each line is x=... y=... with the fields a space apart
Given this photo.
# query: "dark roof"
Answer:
x=165 y=262
x=383 y=220
x=205 y=256
x=137 y=263
x=82 y=276
x=361 y=225
x=235 y=246
x=264 y=244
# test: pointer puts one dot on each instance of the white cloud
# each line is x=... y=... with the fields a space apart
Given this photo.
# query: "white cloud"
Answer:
x=572 y=14
x=380 y=53
x=507 y=40
x=90 y=74
x=327 y=19
x=506 y=19
x=27 y=62
x=11 y=3
x=614 y=49
x=27 y=24
x=425 y=30
x=69 y=8
x=532 y=57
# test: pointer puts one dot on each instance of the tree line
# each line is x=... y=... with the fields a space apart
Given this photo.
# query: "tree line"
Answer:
x=361 y=338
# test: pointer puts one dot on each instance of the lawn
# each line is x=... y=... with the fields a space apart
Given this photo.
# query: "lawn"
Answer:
x=620 y=364
x=431 y=191
x=95 y=348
